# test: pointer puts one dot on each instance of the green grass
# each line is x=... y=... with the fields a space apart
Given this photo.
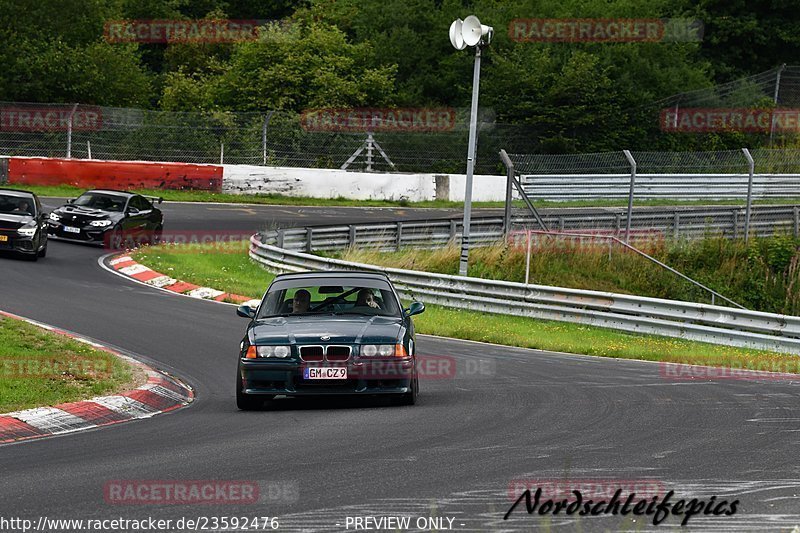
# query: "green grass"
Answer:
x=277 y=199
x=204 y=266
x=763 y=275
x=39 y=368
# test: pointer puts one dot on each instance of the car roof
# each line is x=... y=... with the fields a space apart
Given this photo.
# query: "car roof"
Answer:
x=113 y=191
x=16 y=192
x=333 y=274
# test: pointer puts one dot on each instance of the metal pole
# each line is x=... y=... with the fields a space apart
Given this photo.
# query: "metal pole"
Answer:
x=221 y=152
x=749 y=207
x=69 y=132
x=775 y=100
x=528 y=259
x=473 y=124
x=369 y=152
x=89 y=148
x=264 y=135
x=509 y=188
x=632 y=162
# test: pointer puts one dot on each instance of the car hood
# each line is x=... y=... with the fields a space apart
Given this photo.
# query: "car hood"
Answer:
x=342 y=329
x=87 y=213
x=9 y=221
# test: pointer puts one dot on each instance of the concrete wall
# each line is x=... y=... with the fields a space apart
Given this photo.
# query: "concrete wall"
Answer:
x=331 y=183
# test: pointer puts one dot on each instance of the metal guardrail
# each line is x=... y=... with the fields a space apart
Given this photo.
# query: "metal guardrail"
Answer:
x=700 y=322
x=667 y=222
x=565 y=187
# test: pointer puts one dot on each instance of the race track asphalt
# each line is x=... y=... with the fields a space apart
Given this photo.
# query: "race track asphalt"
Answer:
x=528 y=415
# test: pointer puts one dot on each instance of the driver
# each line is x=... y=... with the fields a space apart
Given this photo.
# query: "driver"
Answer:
x=366 y=298
x=301 y=301
x=23 y=208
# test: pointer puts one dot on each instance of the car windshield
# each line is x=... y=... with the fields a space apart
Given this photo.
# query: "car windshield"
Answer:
x=15 y=205
x=350 y=296
x=106 y=202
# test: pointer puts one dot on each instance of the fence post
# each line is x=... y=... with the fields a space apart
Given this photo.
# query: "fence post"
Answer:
x=676 y=225
x=735 y=216
x=89 y=148
x=796 y=222
x=264 y=135
x=632 y=162
x=221 y=152
x=749 y=207
x=69 y=131
x=351 y=238
x=399 y=236
x=309 y=236
x=509 y=187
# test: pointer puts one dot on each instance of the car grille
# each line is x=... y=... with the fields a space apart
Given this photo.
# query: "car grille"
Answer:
x=317 y=353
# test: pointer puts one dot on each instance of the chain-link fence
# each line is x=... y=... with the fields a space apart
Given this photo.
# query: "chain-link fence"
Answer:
x=272 y=138
x=737 y=177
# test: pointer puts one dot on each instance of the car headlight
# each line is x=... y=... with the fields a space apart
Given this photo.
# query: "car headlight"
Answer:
x=54 y=217
x=100 y=223
x=28 y=230
x=381 y=350
x=273 y=351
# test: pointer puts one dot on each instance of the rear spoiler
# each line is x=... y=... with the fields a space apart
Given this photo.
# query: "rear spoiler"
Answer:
x=154 y=198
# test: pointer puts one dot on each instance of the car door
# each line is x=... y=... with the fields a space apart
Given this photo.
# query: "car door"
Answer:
x=135 y=220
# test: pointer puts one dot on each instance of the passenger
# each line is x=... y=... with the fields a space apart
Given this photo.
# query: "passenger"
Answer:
x=366 y=298
x=301 y=301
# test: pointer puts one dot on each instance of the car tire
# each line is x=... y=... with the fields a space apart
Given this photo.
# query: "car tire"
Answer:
x=157 y=234
x=246 y=402
x=115 y=239
x=410 y=398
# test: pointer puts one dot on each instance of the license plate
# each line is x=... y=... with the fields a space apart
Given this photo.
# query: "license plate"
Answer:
x=325 y=373
x=3 y=238
x=70 y=229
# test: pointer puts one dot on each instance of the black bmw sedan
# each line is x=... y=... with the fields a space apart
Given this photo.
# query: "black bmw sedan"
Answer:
x=23 y=225
x=108 y=217
x=328 y=333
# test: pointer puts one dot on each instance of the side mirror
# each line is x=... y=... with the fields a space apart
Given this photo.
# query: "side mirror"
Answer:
x=133 y=211
x=415 y=309
x=71 y=201
x=245 y=311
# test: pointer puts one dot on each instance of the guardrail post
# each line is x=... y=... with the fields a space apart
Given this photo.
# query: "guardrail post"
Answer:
x=735 y=217
x=632 y=162
x=309 y=236
x=281 y=236
x=617 y=223
x=796 y=222
x=399 y=236
x=752 y=165
x=453 y=228
x=351 y=236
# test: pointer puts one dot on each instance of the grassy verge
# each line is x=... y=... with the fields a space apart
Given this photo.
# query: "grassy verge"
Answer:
x=234 y=272
x=40 y=368
x=277 y=199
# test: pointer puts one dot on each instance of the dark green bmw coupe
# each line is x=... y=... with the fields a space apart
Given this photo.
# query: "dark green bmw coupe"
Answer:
x=328 y=333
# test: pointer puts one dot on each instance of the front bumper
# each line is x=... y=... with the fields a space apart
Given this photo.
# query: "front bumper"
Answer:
x=88 y=234
x=17 y=243
x=272 y=377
